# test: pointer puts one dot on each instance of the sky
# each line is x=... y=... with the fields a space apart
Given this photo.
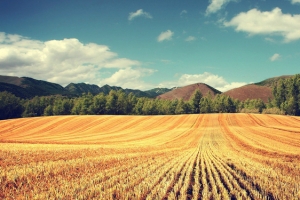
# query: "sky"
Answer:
x=145 y=44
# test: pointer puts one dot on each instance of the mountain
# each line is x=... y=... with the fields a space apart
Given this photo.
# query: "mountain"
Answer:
x=251 y=91
x=14 y=80
x=79 y=88
x=26 y=87
x=260 y=90
x=187 y=91
x=16 y=90
x=270 y=82
x=157 y=91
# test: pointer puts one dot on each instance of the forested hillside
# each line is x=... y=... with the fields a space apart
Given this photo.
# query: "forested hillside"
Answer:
x=27 y=88
x=286 y=101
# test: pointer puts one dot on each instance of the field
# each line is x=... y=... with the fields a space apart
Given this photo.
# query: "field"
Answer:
x=209 y=156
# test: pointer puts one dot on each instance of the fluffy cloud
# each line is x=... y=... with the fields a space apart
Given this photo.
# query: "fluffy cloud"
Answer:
x=295 y=1
x=215 y=5
x=167 y=35
x=139 y=13
x=190 y=38
x=213 y=80
x=267 y=23
x=129 y=78
x=276 y=56
x=60 y=61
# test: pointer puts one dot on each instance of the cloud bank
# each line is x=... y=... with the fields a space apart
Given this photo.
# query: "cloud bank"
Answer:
x=130 y=78
x=65 y=61
x=167 y=35
x=256 y=22
x=139 y=13
x=69 y=60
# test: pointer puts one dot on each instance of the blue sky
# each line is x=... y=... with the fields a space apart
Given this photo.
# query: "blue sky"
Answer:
x=150 y=43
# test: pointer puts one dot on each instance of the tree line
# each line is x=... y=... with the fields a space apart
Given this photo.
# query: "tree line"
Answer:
x=286 y=101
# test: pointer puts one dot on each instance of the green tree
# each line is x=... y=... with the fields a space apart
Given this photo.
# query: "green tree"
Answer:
x=48 y=110
x=62 y=106
x=149 y=107
x=10 y=106
x=172 y=106
x=35 y=107
x=98 y=106
x=195 y=101
x=111 y=102
x=82 y=105
x=138 y=107
x=131 y=102
x=121 y=104
x=183 y=107
x=206 y=104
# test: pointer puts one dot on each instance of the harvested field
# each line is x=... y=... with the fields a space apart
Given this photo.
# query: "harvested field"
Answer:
x=209 y=156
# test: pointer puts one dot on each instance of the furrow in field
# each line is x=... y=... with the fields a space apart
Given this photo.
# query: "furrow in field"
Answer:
x=258 y=140
x=165 y=184
x=8 y=126
x=26 y=129
x=124 y=180
x=229 y=181
x=213 y=156
x=195 y=179
x=282 y=121
x=75 y=171
x=181 y=183
x=266 y=175
x=262 y=121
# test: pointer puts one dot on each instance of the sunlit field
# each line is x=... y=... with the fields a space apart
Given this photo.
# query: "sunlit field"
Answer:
x=207 y=156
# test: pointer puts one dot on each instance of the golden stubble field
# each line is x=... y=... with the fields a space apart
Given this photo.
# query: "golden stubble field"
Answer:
x=209 y=156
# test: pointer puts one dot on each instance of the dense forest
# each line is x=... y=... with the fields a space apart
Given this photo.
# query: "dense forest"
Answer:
x=286 y=101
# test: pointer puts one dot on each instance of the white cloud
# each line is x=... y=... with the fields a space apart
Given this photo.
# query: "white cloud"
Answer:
x=190 y=38
x=213 y=80
x=121 y=63
x=59 y=61
x=270 y=39
x=167 y=35
x=129 y=78
x=183 y=12
x=139 y=13
x=215 y=5
x=267 y=23
x=295 y=1
x=275 y=57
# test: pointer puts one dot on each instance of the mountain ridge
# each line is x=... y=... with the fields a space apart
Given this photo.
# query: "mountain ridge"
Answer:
x=26 y=87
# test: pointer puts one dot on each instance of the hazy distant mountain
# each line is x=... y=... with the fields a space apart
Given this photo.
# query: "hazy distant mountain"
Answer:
x=187 y=91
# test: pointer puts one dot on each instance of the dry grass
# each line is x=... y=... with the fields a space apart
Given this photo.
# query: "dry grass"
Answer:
x=211 y=156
